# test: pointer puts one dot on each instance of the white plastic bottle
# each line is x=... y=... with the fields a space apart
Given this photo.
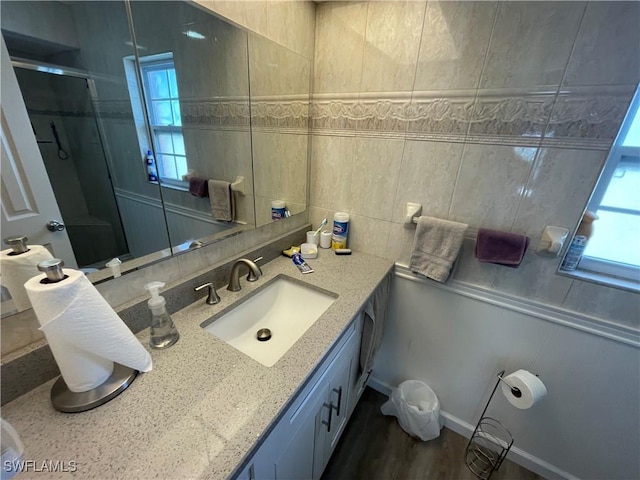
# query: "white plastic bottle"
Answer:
x=151 y=167
x=340 y=230
x=278 y=210
x=163 y=331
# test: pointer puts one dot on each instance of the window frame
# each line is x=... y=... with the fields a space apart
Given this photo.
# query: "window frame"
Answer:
x=595 y=266
x=161 y=62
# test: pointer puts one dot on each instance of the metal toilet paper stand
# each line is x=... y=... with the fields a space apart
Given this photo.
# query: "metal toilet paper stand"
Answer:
x=63 y=399
x=491 y=441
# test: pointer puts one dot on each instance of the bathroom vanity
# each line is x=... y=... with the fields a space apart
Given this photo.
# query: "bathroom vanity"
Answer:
x=206 y=410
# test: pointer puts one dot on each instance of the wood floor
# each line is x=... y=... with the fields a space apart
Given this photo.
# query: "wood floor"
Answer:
x=373 y=446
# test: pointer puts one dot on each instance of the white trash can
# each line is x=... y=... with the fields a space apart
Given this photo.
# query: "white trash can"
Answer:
x=417 y=408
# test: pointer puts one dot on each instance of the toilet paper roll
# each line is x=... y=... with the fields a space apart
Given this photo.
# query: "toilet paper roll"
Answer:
x=85 y=335
x=531 y=388
x=17 y=269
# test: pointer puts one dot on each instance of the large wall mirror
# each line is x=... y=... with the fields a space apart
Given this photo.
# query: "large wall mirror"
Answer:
x=137 y=110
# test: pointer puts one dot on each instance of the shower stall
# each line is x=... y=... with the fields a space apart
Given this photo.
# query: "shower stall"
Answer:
x=60 y=108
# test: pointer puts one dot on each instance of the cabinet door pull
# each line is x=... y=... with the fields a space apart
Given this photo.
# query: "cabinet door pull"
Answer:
x=330 y=407
x=339 y=392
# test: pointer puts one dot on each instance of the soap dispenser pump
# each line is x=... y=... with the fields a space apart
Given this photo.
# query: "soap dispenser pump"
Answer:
x=163 y=331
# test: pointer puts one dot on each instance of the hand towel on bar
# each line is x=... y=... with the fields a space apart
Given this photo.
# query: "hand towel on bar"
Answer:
x=436 y=245
x=198 y=187
x=503 y=248
x=221 y=200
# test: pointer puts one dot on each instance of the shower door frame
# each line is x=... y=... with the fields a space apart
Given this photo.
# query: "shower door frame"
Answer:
x=43 y=67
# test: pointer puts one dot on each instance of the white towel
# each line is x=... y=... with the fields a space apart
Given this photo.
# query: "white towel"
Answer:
x=221 y=200
x=436 y=245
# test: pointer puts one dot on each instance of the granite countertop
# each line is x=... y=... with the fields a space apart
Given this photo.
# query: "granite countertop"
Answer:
x=203 y=407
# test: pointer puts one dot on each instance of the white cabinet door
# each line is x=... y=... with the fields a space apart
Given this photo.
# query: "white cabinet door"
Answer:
x=300 y=445
x=296 y=458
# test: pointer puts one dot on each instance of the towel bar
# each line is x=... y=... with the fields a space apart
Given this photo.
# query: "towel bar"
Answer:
x=238 y=186
x=412 y=212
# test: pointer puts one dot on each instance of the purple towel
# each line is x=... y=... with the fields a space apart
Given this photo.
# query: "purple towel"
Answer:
x=503 y=248
x=198 y=187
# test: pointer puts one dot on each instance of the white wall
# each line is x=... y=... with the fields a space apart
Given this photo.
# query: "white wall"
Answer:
x=589 y=424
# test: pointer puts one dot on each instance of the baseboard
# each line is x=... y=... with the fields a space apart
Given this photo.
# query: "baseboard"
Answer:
x=516 y=455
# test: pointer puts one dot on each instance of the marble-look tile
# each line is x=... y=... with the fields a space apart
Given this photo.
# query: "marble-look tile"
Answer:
x=535 y=279
x=467 y=269
x=400 y=243
x=606 y=50
x=490 y=184
x=280 y=166
x=276 y=70
x=219 y=154
x=375 y=168
x=391 y=46
x=331 y=159
x=292 y=24
x=256 y=16
x=514 y=113
x=355 y=175
x=558 y=189
x=427 y=176
x=589 y=112
x=454 y=43
x=531 y=43
x=316 y=215
x=339 y=46
x=368 y=235
x=606 y=303
x=234 y=11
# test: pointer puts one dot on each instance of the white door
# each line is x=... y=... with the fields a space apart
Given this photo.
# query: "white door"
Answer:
x=28 y=202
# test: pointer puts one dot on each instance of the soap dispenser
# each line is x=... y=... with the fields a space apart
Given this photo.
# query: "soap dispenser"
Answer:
x=163 y=331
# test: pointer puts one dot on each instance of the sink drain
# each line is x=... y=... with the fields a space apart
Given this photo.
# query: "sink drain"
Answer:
x=263 y=335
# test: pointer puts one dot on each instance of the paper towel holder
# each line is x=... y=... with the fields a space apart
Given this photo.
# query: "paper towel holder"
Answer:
x=64 y=400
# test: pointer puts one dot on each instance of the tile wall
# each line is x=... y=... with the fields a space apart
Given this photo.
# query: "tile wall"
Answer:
x=495 y=114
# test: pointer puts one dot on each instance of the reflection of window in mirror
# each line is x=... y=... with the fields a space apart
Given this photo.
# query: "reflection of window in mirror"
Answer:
x=162 y=100
x=612 y=250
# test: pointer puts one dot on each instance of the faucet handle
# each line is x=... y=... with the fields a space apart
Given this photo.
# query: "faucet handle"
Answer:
x=252 y=277
x=213 y=296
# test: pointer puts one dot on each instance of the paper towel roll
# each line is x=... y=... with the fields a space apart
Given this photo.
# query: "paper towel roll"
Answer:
x=85 y=335
x=17 y=269
x=530 y=386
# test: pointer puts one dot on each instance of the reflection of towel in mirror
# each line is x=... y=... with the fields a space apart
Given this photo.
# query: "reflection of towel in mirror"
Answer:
x=198 y=187
x=221 y=200
x=375 y=315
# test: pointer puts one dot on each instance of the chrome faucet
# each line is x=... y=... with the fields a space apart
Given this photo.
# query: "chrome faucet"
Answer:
x=254 y=273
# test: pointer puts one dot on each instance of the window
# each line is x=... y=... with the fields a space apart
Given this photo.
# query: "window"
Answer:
x=163 y=105
x=614 y=249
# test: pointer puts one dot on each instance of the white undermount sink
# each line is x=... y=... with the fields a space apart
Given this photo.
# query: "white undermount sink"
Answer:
x=284 y=306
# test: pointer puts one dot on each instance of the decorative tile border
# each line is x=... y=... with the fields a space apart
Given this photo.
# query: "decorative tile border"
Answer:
x=589 y=112
x=581 y=118
x=511 y=114
x=283 y=113
x=215 y=113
